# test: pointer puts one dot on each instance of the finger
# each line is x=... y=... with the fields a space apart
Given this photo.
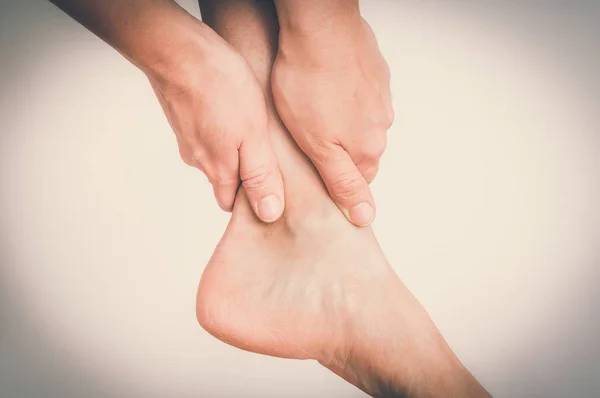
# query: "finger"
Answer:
x=368 y=170
x=346 y=185
x=225 y=193
x=261 y=178
x=222 y=170
x=367 y=155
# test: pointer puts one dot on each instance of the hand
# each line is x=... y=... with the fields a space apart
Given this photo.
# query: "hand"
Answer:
x=332 y=91
x=311 y=286
x=217 y=110
x=208 y=93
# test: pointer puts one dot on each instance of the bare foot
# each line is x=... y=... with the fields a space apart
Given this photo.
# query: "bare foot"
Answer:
x=312 y=285
x=292 y=288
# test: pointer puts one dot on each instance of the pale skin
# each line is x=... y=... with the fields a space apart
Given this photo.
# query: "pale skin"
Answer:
x=331 y=87
x=208 y=92
x=311 y=285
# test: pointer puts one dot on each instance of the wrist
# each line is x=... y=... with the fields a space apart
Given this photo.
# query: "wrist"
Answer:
x=195 y=56
x=324 y=43
x=173 y=47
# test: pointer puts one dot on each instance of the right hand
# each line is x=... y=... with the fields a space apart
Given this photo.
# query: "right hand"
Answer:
x=217 y=110
x=332 y=90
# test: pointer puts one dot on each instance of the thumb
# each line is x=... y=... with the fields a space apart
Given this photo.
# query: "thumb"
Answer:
x=346 y=185
x=261 y=178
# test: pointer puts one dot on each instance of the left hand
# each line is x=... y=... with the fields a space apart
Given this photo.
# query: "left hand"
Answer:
x=332 y=91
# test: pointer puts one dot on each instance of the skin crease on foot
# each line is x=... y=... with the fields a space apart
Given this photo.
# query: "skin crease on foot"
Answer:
x=311 y=285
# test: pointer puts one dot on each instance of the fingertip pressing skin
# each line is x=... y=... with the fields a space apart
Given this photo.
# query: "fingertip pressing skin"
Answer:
x=361 y=214
x=346 y=185
x=261 y=178
x=331 y=88
x=269 y=208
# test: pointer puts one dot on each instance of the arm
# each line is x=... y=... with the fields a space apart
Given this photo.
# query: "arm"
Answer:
x=149 y=33
x=209 y=94
x=331 y=87
x=301 y=17
x=389 y=347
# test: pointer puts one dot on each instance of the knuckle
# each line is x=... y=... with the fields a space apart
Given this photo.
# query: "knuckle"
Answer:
x=319 y=151
x=374 y=148
x=198 y=155
x=222 y=178
x=186 y=156
x=223 y=181
x=212 y=178
x=347 y=186
x=370 y=172
x=384 y=117
x=390 y=117
x=189 y=160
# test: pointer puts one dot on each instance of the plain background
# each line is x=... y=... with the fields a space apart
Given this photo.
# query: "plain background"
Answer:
x=487 y=198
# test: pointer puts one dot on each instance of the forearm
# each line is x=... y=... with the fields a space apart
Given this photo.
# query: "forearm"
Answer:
x=302 y=17
x=396 y=351
x=327 y=34
x=147 y=32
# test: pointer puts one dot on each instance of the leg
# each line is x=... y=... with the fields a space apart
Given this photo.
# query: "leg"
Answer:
x=260 y=272
x=311 y=285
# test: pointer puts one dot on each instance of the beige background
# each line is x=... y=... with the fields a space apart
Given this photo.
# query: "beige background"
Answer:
x=487 y=199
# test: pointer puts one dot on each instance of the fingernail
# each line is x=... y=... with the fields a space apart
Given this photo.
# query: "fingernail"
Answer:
x=269 y=208
x=362 y=214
